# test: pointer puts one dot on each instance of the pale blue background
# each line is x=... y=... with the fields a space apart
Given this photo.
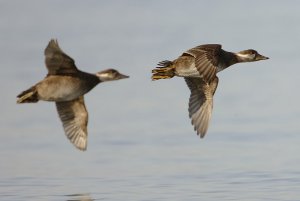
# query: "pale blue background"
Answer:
x=141 y=143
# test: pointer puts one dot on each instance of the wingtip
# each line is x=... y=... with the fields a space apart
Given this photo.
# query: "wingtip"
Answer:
x=82 y=149
x=52 y=45
x=202 y=135
x=80 y=143
x=80 y=146
x=53 y=41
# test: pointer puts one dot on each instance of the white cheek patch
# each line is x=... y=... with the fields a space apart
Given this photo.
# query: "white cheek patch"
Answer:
x=246 y=56
x=102 y=75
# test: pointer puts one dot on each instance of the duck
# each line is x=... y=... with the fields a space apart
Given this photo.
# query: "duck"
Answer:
x=199 y=67
x=66 y=85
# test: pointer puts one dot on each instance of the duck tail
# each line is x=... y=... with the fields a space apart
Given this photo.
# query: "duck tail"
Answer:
x=28 y=96
x=165 y=70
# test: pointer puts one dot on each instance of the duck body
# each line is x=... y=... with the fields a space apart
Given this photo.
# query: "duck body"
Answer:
x=187 y=63
x=199 y=67
x=66 y=85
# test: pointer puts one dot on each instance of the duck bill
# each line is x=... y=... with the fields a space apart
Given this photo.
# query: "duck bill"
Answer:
x=121 y=76
x=261 y=57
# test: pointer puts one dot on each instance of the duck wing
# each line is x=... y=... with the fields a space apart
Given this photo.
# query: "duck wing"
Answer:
x=201 y=102
x=57 y=62
x=74 y=117
x=206 y=59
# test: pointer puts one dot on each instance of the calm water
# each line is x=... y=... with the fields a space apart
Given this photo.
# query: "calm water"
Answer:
x=235 y=186
x=159 y=169
x=141 y=143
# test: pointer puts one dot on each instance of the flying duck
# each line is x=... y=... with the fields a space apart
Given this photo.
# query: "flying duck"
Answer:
x=199 y=66
x=66 y=85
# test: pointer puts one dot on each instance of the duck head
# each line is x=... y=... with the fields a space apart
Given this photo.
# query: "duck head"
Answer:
x=109 y=75
x=249 y=56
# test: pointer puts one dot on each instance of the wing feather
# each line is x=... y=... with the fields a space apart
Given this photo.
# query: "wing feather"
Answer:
x=74 y=117
x=201 y=103
x=206 y=60
x=57 y=62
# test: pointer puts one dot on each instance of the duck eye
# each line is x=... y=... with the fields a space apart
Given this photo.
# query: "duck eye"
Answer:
x=253 y=54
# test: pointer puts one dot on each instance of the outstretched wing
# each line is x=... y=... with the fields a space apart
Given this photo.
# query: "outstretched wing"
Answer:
x=206 y=60
x=201 y=103
x=57 y=62
x=74 y=117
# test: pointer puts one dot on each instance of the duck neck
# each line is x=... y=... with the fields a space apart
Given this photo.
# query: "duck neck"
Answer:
x=91 y=79
x=227 y=59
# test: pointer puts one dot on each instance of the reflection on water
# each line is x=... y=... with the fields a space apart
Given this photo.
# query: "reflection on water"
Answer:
x=234 y=186
x=79 y=197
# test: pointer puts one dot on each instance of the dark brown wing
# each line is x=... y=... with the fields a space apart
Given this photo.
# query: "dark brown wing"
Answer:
x=201 y=103
x=206 y=59
x=74 y=117
x=57 y=62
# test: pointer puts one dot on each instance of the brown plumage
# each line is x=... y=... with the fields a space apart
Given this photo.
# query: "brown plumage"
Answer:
x=66 y=86
x=199 y=67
